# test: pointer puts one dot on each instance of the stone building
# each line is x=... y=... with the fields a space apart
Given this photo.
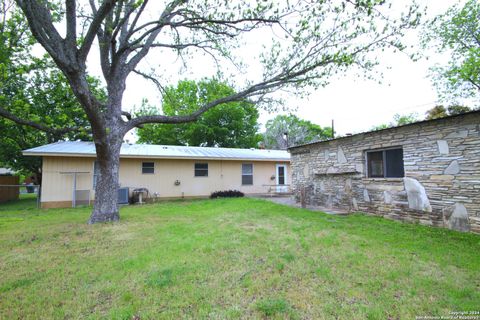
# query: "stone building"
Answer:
x=426 y=172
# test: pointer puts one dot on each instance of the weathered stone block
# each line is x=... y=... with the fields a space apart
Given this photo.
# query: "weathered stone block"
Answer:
x=442 y=177
x=443 y=147
x=458 y=134
x=417 y=197
x=456 y=217
x=366 y=196
x=341 y=155
x=453 y=168
x=387 y=197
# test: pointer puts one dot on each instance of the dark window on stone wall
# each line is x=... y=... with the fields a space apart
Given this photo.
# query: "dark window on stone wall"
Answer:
x=386 y=163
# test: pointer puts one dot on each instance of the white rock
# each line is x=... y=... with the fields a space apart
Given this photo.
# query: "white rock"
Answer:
x=459 y=218
x=416 y=194
x=355 y=204
x=305 y=170
x=387 y=197
x=366 y=196
x=459 y=134
x=453 y=168
x=341 y=155
x=443 y=147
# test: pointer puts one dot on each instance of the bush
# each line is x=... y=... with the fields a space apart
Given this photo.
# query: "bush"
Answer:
x=227 y=194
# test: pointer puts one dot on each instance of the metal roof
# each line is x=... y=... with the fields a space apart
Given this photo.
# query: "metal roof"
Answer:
x=87 y=149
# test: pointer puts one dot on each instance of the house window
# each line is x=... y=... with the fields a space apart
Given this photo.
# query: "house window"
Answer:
x=96 y=173
x=148 y=167
x=386 y=163
x=281 y=175
x=247 y=174
x=201 y=169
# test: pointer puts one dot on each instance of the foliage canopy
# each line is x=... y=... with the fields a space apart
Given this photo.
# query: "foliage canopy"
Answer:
x=289 y=130
x=230 y=125
x=457 y=31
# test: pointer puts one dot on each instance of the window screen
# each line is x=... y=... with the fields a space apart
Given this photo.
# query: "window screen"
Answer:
x=148 y=167
x=247 y=174
x=201 y=169
x=394 y=163
x=281 y=175
x=385 y=163
x=375 y=164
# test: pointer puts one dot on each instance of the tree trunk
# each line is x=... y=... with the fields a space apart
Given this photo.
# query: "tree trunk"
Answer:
x=106 y=191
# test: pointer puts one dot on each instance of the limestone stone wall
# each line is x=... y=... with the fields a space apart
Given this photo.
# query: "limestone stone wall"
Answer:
x=441 y=186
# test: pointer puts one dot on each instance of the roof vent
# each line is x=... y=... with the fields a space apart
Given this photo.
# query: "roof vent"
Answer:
x=252 y=149
x=165 y=147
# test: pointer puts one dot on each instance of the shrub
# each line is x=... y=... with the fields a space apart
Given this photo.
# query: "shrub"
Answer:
x=226 y=194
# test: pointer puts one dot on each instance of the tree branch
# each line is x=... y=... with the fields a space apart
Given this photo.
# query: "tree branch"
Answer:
x=257 y=89
x=99 y=16
x=7 y=115
x=71 y=14
x=41 y=25
x=165 y=17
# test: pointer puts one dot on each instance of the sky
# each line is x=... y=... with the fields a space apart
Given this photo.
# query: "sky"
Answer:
x=355 y=104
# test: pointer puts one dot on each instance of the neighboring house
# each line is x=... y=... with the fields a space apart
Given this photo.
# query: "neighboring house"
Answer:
x=166 y=171
x=426 y=172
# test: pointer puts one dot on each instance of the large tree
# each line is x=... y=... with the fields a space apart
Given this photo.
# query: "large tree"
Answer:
x=230 y=125
x=457 y=31
x=285 y=131
x=312 y=40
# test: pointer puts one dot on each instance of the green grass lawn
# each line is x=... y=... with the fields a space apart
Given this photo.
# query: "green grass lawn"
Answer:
x=230 y=259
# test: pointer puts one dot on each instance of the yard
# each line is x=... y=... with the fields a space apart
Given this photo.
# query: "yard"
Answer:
x=231 y=258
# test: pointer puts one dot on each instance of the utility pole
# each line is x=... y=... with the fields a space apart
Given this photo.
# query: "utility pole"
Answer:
x=333 y=130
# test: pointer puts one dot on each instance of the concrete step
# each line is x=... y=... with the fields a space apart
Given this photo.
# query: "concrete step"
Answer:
x=275 y=195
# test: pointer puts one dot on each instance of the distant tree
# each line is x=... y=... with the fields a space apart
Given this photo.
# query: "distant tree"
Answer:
x=436 y=112
x=230 y=125
x=441 y=112
x=33 y=89
x=398 y=120
x=457 y=109
x=298 y=131
x=48 y=98
x=457 y=31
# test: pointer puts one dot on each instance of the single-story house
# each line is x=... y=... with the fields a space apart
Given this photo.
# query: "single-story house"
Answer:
x=426 y=172
x=69 y=171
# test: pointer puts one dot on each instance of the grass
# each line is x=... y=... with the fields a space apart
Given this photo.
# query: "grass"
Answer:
x=230 y=258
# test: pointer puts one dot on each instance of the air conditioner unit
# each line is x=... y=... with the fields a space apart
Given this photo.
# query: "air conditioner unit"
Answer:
x=123 y=195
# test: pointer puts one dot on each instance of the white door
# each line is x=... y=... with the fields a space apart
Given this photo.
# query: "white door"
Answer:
x=282 y=178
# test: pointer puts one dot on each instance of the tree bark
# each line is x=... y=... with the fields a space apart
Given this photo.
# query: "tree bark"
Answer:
x=105 y=208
